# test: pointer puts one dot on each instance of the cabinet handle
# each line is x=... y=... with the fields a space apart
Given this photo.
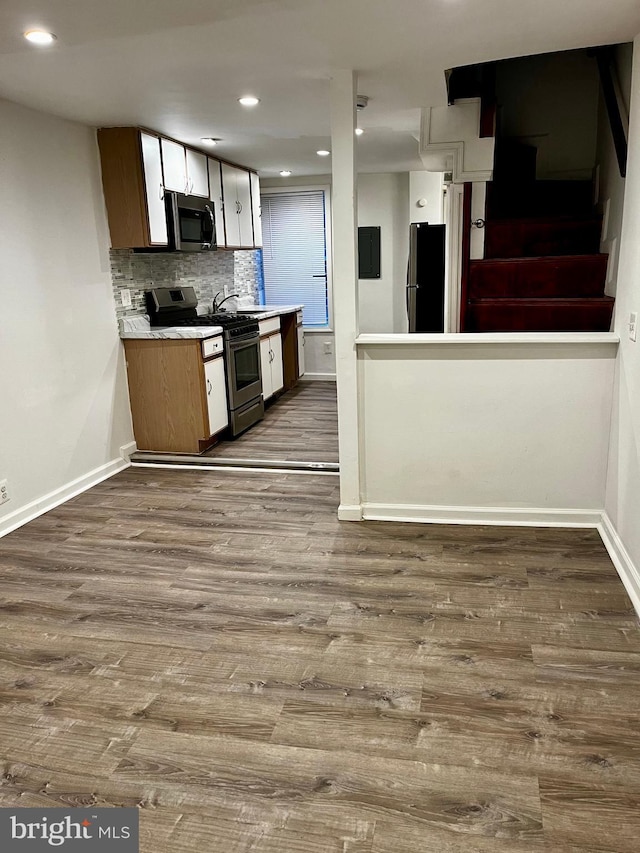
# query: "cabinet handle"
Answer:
x=161 y=192
x=239 y=207
x=209 y=387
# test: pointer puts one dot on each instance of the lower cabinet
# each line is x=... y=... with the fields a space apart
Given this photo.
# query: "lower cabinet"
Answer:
x=178 y=393
x=300 y=331
x=216 y=387
x=271 y=357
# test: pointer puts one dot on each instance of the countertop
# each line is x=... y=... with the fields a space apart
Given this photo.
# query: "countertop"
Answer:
x=138 y=328
x=264 y=312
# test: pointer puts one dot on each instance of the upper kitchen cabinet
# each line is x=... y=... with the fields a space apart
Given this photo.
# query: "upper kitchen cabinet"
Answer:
x=139 y=165
x=185 y=170
x=174 y=166
x=197 y=175
x=238 y=216
x=215 y=194
x=257 y=210
x=133 y=187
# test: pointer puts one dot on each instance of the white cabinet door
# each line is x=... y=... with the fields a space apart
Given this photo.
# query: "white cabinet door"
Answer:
x=231 y=207
x=257 y=210
x=174 y=166
x=215 y=194
x=245 y=215
x=152 y=166
x=216 y=395
x=277 y=370
x=265 y=366
x=300 y=351
x=197 y=176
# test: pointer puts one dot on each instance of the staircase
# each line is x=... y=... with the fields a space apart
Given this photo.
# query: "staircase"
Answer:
x=542 y=270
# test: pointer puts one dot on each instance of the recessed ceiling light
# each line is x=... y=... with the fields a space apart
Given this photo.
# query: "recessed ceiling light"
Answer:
x=40 y=37
x=285 y=173
x=249 y=101
x=359 y=131
x=323 y=153
x=210 y=140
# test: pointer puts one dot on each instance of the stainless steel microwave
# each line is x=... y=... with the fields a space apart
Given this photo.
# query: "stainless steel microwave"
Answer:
x=191 y=223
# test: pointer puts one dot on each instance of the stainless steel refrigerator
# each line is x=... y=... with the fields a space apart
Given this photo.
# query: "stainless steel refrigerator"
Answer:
x=425 y=280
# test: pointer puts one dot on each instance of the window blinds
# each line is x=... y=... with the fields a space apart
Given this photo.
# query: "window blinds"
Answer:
x=294 y=253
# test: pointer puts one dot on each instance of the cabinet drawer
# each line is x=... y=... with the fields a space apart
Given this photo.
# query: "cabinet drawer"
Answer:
x=212 y=346
x=298 y=318
x=268 y=327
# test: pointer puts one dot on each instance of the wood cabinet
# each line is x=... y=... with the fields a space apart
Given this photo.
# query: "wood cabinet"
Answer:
x=238 y=215
x=178 y=395
x=139 y=165
x=300 y=342
x=271 y=362
x=133 y=187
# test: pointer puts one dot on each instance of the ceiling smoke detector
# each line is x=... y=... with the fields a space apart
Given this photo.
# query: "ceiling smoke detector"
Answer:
x=361 y=101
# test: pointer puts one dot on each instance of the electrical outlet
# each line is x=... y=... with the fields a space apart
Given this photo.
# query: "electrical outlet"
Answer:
x=633 y=325
x=125 y=298
x=328 y=347
x=4 y=492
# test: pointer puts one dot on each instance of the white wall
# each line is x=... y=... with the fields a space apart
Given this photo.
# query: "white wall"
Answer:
x=610 y=183
x=383 y=200
x=319 y=364
x=426 y=197
x=551 y=102
x=65 y=409
x=623 y=483
x=485 y=425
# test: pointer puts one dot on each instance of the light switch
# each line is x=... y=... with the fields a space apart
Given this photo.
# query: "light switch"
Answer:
x=633 y=325
x=125 y=298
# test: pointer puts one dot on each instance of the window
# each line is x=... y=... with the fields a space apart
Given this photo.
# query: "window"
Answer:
x=295 y=254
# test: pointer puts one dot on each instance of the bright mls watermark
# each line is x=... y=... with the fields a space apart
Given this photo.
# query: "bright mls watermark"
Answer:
x=70 y=830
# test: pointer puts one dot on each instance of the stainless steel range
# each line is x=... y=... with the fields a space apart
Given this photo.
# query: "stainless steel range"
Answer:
x=168 y=306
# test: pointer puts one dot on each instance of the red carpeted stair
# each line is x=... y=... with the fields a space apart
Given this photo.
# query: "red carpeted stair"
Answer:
x=540 y=273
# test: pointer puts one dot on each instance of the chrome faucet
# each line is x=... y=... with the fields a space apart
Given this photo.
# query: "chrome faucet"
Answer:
x=216 y=305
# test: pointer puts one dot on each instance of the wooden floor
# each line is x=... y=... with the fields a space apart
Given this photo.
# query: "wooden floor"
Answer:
x=301 y=426
x=217 y=649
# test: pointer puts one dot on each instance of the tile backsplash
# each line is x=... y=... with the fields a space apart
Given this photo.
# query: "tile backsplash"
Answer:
x=207 y=272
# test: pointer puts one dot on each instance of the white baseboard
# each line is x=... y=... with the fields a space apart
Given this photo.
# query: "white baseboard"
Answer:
x=523 y=517
x=58 y=496
x=348 y=512
x=318 y=377
x=127 y=449
x=621 y=559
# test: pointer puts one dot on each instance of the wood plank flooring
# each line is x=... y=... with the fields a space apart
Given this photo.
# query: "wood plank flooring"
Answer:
x=217 y=649
x=301 y=426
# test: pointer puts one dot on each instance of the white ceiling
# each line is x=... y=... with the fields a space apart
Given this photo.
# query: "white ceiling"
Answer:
x=178 y=66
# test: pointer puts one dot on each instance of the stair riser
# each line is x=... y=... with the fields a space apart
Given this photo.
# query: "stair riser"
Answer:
x=519 y=239
x=540 y=277
x=547 y=318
